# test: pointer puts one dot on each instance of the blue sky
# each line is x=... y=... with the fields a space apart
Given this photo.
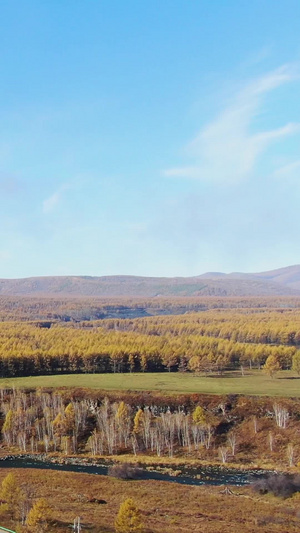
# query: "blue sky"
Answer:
x=149 y=137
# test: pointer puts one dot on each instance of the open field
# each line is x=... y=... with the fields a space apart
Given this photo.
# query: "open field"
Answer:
x=165 y=507
x=258 y=383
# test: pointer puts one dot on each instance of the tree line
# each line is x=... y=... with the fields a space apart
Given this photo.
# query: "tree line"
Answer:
x=57 y=309
x=27 y=349
x=260 y=326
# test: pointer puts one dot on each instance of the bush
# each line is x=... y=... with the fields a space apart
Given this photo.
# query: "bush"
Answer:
x=125 y=471
x=283 y=485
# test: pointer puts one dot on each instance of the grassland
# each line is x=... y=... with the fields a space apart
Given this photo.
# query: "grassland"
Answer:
x=286 y=383
x=165 y=507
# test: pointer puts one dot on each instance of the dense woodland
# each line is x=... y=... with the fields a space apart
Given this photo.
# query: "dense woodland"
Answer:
x=210 y=340
x=207 y=341
x=58 y=309
x=29 y=349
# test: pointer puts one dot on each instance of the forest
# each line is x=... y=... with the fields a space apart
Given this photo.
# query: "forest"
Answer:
x=52 y=309
x=210 y=341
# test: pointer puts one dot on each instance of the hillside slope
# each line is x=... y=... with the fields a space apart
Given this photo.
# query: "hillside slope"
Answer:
x=274 y=283
x=287 y=276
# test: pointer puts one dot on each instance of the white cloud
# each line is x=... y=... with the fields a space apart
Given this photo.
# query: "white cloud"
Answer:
x=225 y=150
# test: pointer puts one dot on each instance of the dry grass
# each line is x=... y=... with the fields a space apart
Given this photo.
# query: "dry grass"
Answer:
x=166 y=507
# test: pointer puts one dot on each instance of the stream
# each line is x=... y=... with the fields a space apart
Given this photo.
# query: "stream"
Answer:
x=203 y=475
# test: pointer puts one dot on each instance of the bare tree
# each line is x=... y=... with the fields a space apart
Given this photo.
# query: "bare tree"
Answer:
x=290 y=454
x=255 y=424
x=281 y=415
x=271 y=440
x=232 y=441
x=223 y=453
x=209 y=435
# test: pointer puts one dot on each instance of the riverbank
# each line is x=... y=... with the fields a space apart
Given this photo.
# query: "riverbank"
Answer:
x=187 y=474
x=162 y=463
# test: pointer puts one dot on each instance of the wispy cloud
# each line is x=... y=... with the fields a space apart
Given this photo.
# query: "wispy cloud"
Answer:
x=50 y=203
x=226 y=150
x=288 y=171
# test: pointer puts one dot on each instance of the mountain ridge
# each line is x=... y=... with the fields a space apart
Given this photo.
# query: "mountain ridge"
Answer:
x=279 y=282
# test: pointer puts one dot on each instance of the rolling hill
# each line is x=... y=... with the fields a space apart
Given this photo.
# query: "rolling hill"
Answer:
x=288 y=276
x=281 y=282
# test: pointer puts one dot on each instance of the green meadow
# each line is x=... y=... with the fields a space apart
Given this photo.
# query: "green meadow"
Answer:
x=286 y=383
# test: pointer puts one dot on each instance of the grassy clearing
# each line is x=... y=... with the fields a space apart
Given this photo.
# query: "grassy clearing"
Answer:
x=286 y=383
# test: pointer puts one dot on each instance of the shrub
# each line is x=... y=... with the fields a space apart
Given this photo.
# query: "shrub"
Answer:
x=125 y=471
x=283 y=485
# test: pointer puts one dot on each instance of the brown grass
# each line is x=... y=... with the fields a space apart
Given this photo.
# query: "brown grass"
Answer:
x=166 y=507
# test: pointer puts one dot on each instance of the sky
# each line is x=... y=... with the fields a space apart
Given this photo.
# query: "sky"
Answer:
x=149 y=137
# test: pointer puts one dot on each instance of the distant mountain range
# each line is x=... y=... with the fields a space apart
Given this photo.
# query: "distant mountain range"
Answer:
x=280 y=282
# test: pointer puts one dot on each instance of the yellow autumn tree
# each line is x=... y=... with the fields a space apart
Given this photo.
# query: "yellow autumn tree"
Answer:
x=38 y=516
x=69 y=418
x=271 y=365
x=59 y=425
x=8 y=426
x=198 y=416
x=12 y=495
x=296 y=362
x=129 y=518
x=122 y=413
x=138 y=420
